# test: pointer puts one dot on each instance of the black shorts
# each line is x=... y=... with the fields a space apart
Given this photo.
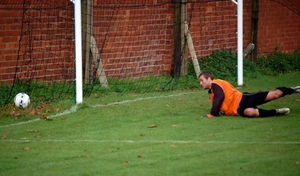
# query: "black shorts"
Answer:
x=251 y=100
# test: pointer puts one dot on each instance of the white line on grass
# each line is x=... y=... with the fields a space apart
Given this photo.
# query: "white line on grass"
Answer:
x=74 y=108
x=19 y=123
x=148 y=141
x=140 y=99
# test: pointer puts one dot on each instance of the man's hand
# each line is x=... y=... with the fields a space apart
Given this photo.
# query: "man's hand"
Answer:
x=208 y=116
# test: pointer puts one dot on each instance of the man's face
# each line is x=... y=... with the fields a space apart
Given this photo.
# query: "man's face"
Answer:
x=205 y=83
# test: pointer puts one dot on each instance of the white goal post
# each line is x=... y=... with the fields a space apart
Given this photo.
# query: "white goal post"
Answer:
x=78 y=46
x=240 y=43
x=240 y=54
x=78 y=51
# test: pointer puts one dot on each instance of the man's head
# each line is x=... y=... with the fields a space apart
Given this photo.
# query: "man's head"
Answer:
x=205 y=79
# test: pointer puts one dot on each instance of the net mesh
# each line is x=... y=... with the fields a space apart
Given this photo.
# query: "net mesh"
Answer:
x=43 y=57
x=128 y=46
x=135 y=42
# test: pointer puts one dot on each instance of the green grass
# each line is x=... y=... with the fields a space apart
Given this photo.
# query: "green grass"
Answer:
x=113 y=137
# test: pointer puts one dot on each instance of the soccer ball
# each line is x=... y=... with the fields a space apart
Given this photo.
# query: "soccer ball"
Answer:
x=22 y=100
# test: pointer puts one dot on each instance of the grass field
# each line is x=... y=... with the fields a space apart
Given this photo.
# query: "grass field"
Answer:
x=158 y=133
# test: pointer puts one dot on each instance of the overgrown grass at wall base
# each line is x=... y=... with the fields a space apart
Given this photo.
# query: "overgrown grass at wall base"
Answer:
x=223 y=64
x=38 y=91
x=148 y=84
x=278 y=63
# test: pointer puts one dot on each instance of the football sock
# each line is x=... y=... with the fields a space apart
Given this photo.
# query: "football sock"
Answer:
x=286 y=90
x=266 y=113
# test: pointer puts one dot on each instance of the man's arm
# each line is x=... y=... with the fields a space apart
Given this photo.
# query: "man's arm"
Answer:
x=218 y=99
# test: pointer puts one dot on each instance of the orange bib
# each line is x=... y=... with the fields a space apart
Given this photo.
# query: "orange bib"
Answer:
x=232 y=97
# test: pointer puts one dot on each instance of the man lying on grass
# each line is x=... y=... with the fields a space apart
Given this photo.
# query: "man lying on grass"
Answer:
x=227 y=100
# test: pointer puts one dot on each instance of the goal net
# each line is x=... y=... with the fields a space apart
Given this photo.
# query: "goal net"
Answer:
x=127 y=46
x=40 y=50
x=135 y=45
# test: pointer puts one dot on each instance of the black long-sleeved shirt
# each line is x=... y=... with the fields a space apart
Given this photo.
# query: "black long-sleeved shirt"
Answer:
x=217 y=99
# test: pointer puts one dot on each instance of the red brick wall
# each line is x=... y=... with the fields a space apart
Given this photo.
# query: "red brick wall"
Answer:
x=134 y=38
x=213 y=26
x=36 y=40
x=10 y=24
x=279 y=25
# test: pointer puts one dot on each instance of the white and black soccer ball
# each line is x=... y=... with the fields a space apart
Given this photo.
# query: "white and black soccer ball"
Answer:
x=22 y=100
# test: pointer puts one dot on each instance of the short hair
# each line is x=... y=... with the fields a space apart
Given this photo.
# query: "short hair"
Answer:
x=207 y=74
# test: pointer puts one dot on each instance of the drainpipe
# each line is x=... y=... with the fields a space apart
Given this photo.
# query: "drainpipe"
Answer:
x=254 y=28
x=177 y=39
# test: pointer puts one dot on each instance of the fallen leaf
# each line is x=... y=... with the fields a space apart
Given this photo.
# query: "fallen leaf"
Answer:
x=63 y=118
x=57 y=109
x=33 y=131
x=142 y=135
x=26 y=148
x=32 y=112
x=42 y=116
x=297 y=162
x=125 y=163
x=175 y=126
x=173 y=146
x=12 y=113
x=50 y=119
x=152 y=126
x=140 y=155
x=211 y=135
x=4 y=137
